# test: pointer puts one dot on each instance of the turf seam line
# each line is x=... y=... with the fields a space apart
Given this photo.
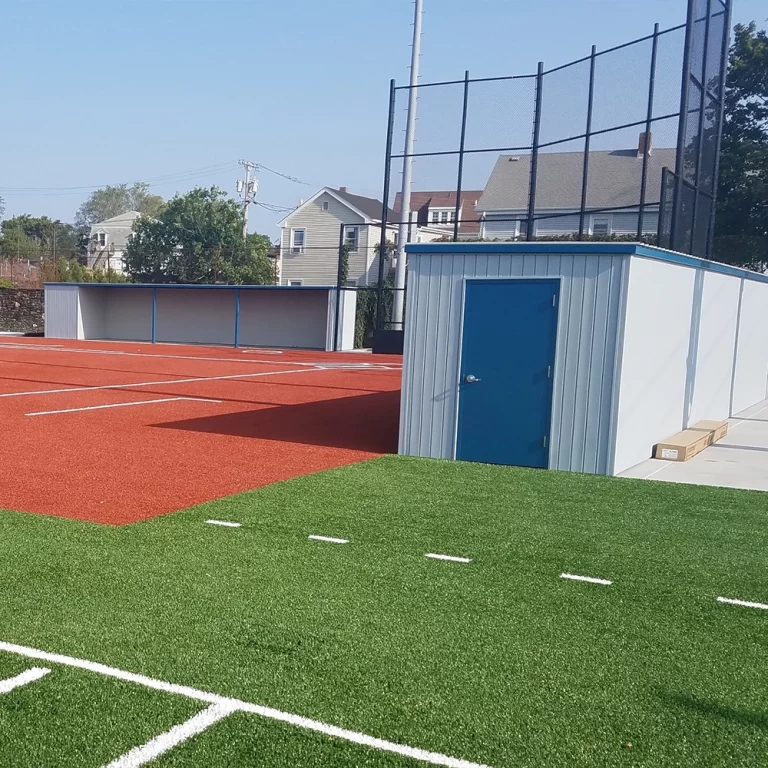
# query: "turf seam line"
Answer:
x=451 y=558
x=154 y=383
x=434 y=758
x=25 y=678
x=329 y=539
x=124 y=405
x=225 y=523
x=590 y=579
x=743 y=603
x=165 y=742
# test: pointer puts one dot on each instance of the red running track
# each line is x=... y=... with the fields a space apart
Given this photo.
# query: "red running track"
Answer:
x=187 y=424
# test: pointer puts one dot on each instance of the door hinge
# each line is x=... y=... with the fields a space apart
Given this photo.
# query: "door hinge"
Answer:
x=544 y=441
x=554 y=300
x=549 y=371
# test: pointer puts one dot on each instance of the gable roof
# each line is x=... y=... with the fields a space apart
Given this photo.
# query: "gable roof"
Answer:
x=423 y=201
x=121 y=220
x=367 y=207
x=614 y=180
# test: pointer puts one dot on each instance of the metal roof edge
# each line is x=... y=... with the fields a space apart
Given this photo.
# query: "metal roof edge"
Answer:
x=600 y=248
x=193 y=286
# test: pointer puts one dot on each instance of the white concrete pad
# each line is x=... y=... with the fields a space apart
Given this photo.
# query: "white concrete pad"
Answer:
x=739 y=460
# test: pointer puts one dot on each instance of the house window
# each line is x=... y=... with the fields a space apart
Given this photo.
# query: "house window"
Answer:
x=326 y=205
x=295 y=283
x=435 y=217
x=102 y=239
x=601 y=225
x=351 y=283
x=443 y=217
x=351 y=237
x=297 y=240
x=452 y=217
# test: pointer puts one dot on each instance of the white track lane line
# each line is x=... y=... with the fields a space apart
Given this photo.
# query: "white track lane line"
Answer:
x=58 y=348
x=590 y=579
x=449 y=557
x=744 y=603
x=152 y=383
x=25 y=678
x=434 y=758
x=124 y=405
x=329 y=539
x=224 y=523
x=172 y=738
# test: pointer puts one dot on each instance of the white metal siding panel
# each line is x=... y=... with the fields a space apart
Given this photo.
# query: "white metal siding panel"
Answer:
x=129 y=314
x=195 y=316
x=93 y=312
x=290 y=319
x=751 y=360
x=582 y=391
x=318 y=265
x=654 y=360
x=61 y=311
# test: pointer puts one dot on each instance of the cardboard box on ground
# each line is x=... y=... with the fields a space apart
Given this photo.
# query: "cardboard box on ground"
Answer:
x=686 y=444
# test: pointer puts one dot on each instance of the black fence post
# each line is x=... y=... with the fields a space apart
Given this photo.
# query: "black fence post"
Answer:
x=661 y=238
x=721 y=96
x=461 y=158
x=385 y=209
x=647 y=148
x=339 y=280
x=535 y=153
x=587 y=137
x=683 y=124
x=700 y=133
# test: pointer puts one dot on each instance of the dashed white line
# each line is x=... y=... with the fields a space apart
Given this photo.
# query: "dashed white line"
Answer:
x=26 y=677
x=124 y=405
x=172 y=738
x=329 y=539
x=452 y=558
x=434 y=758
x=590 y=579
x=744 y=603
x=224 y=523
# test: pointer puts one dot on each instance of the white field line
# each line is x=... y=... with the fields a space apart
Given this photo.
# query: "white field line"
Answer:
x=151 y=383
x=449 y=557
x=744 y=603
x=26 y=677
x=224 y=523
x=61 y=348
x=124 y=405
x=172 y=738
x=329 y=539
x=590 y=579
x=434 y=758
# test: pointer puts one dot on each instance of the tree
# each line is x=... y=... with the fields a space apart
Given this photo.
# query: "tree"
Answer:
x=113 y=200
x=741 y=225
x=42 y=235
x=198 y=238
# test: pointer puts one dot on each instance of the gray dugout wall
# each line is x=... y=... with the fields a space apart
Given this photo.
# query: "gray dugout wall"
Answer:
x=591 y=289
x=289 y=317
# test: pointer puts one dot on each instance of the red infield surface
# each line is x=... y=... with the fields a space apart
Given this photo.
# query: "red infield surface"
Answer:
x=187 y=424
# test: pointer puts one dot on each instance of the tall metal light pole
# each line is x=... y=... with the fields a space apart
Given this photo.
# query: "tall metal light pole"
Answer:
x=405 y=195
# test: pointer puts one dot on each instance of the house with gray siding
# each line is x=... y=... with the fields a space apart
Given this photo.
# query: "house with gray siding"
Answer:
x=108 y=239
x=614 y=181
x=309 y=238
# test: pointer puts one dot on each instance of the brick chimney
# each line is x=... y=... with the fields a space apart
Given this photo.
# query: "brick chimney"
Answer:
x=644 y=144
x=342 y=189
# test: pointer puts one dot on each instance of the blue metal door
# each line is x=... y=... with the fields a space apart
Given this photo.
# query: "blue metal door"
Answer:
x=507 y=369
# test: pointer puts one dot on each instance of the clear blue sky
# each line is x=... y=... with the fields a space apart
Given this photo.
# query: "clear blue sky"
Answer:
x=106 y=91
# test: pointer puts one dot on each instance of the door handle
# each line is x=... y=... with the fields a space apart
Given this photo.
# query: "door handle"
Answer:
x=470 y=379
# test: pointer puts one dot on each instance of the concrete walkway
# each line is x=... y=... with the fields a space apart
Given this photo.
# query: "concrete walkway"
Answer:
x=739 y=460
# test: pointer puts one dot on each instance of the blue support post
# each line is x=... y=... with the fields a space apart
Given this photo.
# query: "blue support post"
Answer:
x=237 y=317
x=154 y=315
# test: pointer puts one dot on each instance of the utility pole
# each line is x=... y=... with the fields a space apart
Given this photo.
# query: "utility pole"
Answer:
x=247 y=190
x=405 y=195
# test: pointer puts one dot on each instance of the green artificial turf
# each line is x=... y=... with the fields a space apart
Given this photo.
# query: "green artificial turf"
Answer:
x=498 y=661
